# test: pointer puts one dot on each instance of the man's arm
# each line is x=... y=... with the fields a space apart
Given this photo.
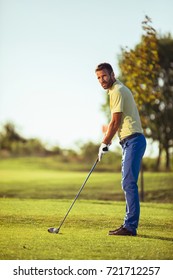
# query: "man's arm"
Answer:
x=112 y=127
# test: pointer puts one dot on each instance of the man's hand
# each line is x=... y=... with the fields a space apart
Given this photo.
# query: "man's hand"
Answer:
x=102 y=150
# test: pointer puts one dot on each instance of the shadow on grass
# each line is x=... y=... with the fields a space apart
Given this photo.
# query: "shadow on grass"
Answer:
x=156 y=237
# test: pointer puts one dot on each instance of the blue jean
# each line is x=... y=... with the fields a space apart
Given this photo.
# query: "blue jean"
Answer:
x=133 y=151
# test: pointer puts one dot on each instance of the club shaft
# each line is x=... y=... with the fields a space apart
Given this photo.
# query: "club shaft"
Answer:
x=93 y=167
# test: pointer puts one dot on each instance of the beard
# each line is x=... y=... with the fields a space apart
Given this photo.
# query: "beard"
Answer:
x=108 y=84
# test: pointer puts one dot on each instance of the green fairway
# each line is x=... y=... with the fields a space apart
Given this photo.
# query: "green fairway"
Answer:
x=35 y=197
x=24 y=233
x=48 y=178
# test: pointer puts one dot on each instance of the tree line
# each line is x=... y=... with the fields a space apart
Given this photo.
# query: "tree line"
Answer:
x=13 y=144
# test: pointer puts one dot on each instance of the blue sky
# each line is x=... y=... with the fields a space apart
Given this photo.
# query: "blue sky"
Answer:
x=48 y=53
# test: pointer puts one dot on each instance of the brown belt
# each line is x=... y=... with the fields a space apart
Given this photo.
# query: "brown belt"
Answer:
x=130 y=137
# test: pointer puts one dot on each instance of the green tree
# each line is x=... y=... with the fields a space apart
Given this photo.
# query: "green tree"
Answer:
x=160 y=114
x=10 y=135
x=16 y=145
x=140 y=69
x=148 y=71
x=89 y=151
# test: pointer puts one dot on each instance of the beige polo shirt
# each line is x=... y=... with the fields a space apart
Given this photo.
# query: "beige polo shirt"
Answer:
x=121 y=100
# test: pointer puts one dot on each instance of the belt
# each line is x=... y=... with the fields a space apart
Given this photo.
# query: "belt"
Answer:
x=130 y=137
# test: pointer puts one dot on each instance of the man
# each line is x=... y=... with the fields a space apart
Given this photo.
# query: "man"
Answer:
x=126 y=121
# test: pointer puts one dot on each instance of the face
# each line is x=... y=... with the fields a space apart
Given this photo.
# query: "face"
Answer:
x=105 y=78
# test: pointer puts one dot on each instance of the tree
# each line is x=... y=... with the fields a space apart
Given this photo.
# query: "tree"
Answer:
x=15 y=144
x=89 y=151
x=140 y=69
x=148 y=72
x=161 y=113
x=9 y=135
x=158 y=115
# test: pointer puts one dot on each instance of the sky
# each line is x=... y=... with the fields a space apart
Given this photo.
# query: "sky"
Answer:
x=48 y=53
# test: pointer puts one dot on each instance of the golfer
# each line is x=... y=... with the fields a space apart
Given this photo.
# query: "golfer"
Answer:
x=126 y=122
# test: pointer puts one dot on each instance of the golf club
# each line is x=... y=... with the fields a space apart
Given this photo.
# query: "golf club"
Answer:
x=56 y=230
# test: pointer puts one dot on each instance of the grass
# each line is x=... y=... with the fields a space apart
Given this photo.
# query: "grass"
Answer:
x=24 y=235
x=34 y=197
x=31 y=178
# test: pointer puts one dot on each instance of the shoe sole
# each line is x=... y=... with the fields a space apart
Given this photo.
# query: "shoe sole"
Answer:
x=112 y=231
x=122 y=232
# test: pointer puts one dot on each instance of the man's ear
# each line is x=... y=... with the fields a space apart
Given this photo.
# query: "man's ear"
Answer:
x=112 y=75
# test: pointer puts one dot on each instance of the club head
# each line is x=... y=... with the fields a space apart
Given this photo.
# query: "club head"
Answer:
x=53 y=230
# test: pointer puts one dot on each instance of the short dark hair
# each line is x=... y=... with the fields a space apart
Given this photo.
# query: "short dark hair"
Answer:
x=104 y=65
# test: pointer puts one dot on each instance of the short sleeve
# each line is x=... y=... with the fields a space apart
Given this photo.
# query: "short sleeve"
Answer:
x=116 y=102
